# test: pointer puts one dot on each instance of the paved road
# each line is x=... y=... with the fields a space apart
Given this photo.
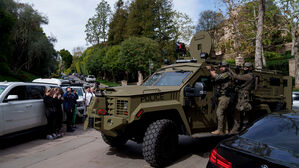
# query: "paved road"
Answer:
x=87 y=149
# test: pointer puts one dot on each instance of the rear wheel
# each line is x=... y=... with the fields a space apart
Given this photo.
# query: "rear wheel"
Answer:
x=114 y=141
x=160 y=143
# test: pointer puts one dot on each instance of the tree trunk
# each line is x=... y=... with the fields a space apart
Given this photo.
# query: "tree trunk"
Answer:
x=263 y=58
x=259 y=36
x=293 y=33
x=296 y=52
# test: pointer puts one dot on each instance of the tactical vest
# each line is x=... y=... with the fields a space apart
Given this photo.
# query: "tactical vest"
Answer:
x=248 y=85
x=224 y=86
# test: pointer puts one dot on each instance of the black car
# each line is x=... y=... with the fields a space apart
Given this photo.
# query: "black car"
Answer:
x=271 y=142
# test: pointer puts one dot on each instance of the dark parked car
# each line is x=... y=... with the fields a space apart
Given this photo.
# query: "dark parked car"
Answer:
x=271 y=142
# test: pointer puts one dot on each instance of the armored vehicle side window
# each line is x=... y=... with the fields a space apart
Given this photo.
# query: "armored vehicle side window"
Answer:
x=35 y=92
x=20 y=91
x=274 y=81
x=208 y=86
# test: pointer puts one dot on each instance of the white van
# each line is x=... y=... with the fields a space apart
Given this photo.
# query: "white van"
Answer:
x=21 y=106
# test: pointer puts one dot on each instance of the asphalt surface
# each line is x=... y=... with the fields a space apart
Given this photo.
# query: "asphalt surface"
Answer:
x=87 y=149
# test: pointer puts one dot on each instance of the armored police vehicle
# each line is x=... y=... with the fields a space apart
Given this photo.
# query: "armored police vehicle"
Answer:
x=177 y=99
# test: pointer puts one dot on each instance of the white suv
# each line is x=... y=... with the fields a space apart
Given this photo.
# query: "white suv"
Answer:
x=21 y=106
x=90 y=78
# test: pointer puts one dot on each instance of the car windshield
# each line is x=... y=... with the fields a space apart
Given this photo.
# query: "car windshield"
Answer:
x=167 y=78
x=91 y=76
x=2 y=88
x=278 y=131
x=79 y=91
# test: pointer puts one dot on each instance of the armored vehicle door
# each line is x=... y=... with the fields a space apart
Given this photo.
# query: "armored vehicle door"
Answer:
x=200 y=103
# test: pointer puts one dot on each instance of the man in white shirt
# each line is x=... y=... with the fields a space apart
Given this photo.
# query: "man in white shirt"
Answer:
x=88 y=96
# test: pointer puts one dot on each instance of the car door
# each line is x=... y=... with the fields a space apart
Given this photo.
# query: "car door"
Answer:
x=15 y=111
x=201 y=110
x=36 y=117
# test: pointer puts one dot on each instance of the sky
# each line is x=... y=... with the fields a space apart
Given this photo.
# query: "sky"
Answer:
x=67 y=18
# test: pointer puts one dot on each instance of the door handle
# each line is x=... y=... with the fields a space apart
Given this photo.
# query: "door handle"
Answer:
x=27 y=106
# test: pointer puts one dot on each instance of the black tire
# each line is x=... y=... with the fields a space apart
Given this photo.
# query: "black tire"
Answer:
x=114 y=141
x=160 y=143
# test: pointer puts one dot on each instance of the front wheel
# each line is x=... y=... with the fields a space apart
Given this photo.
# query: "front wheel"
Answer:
x=160 y=143
x=114 y=141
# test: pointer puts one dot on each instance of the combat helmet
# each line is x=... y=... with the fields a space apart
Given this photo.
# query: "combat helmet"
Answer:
x=223 y=64
x=248 y=65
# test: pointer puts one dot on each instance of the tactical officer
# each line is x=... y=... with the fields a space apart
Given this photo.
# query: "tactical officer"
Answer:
x=243 y=89
x=224 y=86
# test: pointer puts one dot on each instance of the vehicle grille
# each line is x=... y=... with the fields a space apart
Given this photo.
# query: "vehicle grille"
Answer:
x=110 y=105
x=121 y=107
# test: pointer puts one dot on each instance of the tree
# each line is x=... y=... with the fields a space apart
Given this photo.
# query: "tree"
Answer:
x=290 y=14
x=141 y=19
x=67 y=58
x=137 y=52
x=211 y=21
x=208 y=20
x=117 y=25
x=97 y=26
x=259 y=36
x=113 y=63
x=7 y=23
x=184 y=27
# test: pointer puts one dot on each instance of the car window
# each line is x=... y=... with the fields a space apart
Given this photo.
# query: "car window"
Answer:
x=35 y=92
x=20 y=91
x=277 y=131
x=295 y=96
x=2 y=88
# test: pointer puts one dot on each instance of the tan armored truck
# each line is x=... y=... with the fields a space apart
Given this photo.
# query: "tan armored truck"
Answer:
x=177 y=99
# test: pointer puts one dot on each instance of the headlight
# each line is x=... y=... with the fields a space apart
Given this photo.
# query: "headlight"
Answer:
x=126 y=106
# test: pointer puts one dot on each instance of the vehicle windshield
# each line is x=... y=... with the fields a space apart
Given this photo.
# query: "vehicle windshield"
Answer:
x=167 y=78
x=277 y=131
x=91 y=76
x=2 y=88
x=79 y=91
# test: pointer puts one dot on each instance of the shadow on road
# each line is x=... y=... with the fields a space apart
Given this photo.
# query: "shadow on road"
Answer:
x=188 y=146
x=131 y=150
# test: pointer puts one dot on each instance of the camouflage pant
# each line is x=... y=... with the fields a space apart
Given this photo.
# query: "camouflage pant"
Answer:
x=242 y=106
x=223 y=102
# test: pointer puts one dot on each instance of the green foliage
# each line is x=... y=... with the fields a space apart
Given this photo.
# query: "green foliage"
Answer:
x=97 y=26
x=67 y=58
x=208 y=20
x=94 y=63
x=24 y=45
x=136 y=52
x=231 y=61
x=113 y=62
x=110 y=84
x=118 y=24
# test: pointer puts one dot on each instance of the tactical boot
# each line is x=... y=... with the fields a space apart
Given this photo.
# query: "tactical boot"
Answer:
x=236 y=128
x=218 y=132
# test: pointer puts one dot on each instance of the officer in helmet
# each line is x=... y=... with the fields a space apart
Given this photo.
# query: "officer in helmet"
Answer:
x=244 y=90
x=223 y=91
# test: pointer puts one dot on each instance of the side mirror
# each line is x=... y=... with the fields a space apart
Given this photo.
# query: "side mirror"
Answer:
x=12 y=97
x=199 y=89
